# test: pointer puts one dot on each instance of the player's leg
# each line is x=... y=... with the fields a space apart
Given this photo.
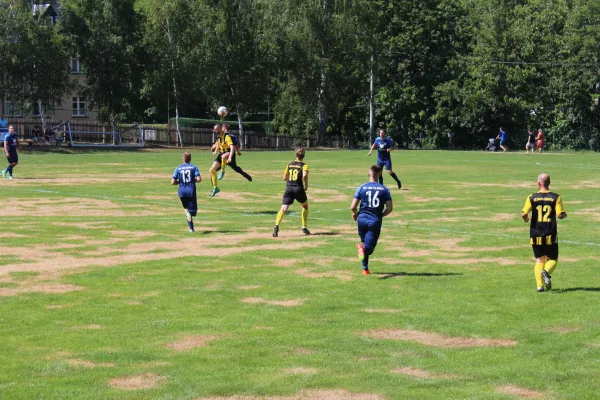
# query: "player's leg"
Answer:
x=224 y=158
x=236 y=168
x=540 y=261
x=381 y=164
x=550 y=265
x=213 y=175
x=13 y=160
x=363 y=228
x=300 y=197
x=388 y=167
x=286 y=202
x=370 y=241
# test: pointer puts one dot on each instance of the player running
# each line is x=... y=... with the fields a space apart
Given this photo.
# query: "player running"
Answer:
x=11 y=143
x=233 y=164
x=384 y=146
x=186 y=176
x=544 y=206
x=296 y=175
x=224 y=150
x=375 y=203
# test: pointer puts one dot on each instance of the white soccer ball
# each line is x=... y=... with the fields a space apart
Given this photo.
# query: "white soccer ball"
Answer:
x=222 y=111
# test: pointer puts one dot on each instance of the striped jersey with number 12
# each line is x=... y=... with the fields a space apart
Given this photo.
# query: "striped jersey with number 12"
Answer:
x=544 y=207
x=295 y=169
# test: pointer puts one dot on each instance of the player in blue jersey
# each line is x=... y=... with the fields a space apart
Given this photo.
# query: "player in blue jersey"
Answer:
x=375 y=203
x=186 y=176
x=11 y=143
x=384 y=146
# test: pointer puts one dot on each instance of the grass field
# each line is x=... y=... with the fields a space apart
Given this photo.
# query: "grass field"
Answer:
x=105 y=295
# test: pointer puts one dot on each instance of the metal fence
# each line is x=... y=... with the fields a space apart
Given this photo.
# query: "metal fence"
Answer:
x=31 y=128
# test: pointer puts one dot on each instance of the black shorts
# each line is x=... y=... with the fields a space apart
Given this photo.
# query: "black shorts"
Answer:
x=294 y=193
x=13 y=157
x=550 y=251
x=233 y=162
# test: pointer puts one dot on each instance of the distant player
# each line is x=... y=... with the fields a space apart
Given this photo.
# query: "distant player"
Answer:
x=530 y=145
x=544 y=206
x=375 y=203
x=224 y=150
x=384 y=146
x=186 y=176
x=11 y=143
x=233 y=163
x=502 y=137
x=296 y=175
x=540 y=138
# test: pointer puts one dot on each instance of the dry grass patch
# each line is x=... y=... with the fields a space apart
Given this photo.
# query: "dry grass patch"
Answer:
x=87 y=364
x=341 y=275
x=191 y=342
x=301 y=371
x=86 y=327
x=421 y=374
x=332 y=394
x=40 y=288
x=137 y=382
x=436 y=339
x=564 y=329
x=520 y=392
x=249 y=287
x=282 y=303
x=381 y=310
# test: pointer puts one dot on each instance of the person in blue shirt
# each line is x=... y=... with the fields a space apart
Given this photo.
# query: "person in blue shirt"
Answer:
x=375 y=203
x=11 y=143
x=502 y=137
x=384 y=146
x=186 y=176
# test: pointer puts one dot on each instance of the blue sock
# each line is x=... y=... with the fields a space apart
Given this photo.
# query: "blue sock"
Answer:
x=191 y=224
x=365 y=263
x=9 y=170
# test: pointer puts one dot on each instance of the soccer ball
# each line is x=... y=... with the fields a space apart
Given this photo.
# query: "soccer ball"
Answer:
x=222 y=111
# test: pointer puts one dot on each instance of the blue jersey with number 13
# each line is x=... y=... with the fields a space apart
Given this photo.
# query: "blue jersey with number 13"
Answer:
x=186 y=175
x=373 y=197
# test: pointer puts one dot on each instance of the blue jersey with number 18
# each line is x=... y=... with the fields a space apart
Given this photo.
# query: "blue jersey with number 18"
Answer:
x=373 y=197
x=186 y=175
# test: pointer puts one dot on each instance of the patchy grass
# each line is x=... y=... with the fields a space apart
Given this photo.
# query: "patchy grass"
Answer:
x=104 y=293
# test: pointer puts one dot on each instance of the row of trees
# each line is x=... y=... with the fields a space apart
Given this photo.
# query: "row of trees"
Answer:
x=463 y=67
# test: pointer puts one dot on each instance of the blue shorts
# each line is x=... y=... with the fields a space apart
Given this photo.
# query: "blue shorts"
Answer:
x=369 y=230
x=190 y=204
x=385 y=163
x=13 y=157
x=502 y=142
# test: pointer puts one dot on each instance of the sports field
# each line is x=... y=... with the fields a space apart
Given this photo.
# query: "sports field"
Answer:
x=104 y=294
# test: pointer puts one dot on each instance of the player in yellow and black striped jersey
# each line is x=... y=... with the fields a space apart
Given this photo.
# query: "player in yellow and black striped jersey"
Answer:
x=224 y=150
x=545 y=207
x=296 y=175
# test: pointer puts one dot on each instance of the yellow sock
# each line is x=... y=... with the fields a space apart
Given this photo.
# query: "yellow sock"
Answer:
x=213 y=178
x=538 y=274
x=280 y=215
x=550 y=266
x=223 y=163
x=304 y=216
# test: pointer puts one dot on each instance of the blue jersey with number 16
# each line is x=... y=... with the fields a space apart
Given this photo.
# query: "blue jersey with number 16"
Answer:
x=373 y=197
x=186 y=175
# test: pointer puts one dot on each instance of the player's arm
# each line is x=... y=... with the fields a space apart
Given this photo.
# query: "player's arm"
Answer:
x=19 y=144
x=560 y=211
x=286 y=173
x=6 y=147
x=231 y=153
x=197 y=175
x=526 y=210
x=370 y=151
x=389 y=206
x=305 y=179
x=354 y=208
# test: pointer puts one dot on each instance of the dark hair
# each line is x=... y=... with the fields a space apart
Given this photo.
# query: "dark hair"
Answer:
x=187 y=157
x=375 y=171
x=300 y=153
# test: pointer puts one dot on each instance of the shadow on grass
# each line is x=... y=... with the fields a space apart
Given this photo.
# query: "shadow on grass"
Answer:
x=263 y=212
x=220 y=232
x=577 y=289
x=325 y=234
x=388 y=275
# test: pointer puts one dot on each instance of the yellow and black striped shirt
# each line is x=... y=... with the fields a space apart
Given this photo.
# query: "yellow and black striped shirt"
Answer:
x=544 y=208
x=295 y=170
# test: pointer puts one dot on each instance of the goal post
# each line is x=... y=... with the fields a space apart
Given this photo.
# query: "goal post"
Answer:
x=130 y=137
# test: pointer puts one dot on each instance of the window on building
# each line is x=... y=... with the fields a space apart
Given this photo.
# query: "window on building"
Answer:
x=79 y=107
x=13 y=108
x=75 y=66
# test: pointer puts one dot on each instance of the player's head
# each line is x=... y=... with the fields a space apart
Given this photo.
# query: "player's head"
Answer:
x=374 y=172
x=11 y=128
x=382 y=133
x=300 y=153
x=217 y=128
x=187 y=157
x=540 y=130
x=226 y=127
x=543 y=181
x=500 y=129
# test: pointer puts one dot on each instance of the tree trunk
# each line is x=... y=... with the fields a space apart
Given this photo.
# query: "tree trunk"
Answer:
x=42 y=116
x=322 y=111
x=241 y=128
x=372 y=105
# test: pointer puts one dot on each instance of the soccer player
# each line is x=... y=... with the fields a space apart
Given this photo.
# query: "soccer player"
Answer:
x=375 y=203
x=384 y=147
x=237 y=152
x=224 y=150
x=186 y=176
x=296 y=175
x=11 y=143
x=544 y=206
x=502 y=137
